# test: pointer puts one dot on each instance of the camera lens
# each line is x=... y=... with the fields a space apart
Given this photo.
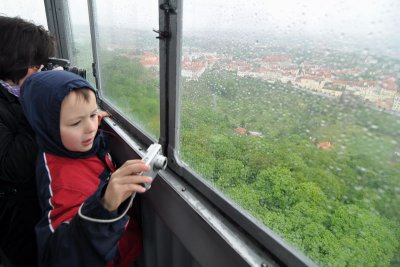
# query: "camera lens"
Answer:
x=80 y=72
x=160 y=162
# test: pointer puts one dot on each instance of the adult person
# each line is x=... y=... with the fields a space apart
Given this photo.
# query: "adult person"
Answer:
x=24 y=47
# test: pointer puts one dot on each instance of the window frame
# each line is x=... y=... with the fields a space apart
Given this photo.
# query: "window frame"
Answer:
x=170 y=22
x=59 y=25
x=264 y=235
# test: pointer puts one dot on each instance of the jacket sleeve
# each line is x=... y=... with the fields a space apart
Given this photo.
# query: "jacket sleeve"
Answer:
x=65 y=239
x=18 y=149
x=80 y=242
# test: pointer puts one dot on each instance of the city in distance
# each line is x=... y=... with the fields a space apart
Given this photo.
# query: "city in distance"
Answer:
x=334 y=67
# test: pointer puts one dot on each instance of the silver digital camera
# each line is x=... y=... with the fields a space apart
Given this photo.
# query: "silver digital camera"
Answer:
x=155 y=160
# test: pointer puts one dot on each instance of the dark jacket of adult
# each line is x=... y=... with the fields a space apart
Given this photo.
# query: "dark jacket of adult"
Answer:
x=19 y=208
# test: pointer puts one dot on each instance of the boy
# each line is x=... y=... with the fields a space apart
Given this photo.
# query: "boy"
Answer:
x=73 y=169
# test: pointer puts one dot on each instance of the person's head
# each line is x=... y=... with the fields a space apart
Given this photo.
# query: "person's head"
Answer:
x=78 y=120
x=62 y=109
x=24 y=47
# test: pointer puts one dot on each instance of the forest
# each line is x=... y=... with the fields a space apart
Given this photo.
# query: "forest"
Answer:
x=338 y=204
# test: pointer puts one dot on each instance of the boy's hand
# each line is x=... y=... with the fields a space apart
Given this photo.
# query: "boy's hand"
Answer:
x=124 y=182
x=101 y=114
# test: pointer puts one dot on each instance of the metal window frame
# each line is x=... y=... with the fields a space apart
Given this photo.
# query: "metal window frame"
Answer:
x=265 y=236
x=58 y=23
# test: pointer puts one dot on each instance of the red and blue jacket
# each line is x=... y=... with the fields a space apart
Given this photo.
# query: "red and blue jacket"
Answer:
x=66 y=180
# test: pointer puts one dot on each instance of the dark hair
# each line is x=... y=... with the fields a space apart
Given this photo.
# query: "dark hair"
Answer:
x=22 y=45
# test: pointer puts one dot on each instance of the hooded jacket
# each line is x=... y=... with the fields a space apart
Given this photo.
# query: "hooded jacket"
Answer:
x=66 y=179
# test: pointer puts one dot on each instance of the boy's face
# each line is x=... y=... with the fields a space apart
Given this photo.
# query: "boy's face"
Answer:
x=78 y=121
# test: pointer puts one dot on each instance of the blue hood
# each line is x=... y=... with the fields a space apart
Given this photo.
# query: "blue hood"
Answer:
x=41 y=96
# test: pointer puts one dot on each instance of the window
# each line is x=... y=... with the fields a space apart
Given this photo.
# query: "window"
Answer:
x=292 y=110
x=80 y=43
x=129 y=59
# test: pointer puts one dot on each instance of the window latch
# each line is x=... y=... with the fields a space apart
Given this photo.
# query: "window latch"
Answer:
x=162 y=34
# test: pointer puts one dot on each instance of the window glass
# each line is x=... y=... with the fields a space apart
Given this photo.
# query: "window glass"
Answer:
x=129 y=59
x=292 y=110
x=32 y=10
x=80 y=43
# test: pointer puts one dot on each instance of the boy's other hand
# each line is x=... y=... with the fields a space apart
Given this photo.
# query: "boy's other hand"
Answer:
x=101 y=114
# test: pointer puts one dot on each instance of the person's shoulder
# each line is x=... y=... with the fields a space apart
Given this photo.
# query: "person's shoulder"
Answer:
x=10 y=109
x=6 y=97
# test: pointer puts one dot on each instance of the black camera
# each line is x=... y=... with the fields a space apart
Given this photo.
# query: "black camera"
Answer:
x=54 y=62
